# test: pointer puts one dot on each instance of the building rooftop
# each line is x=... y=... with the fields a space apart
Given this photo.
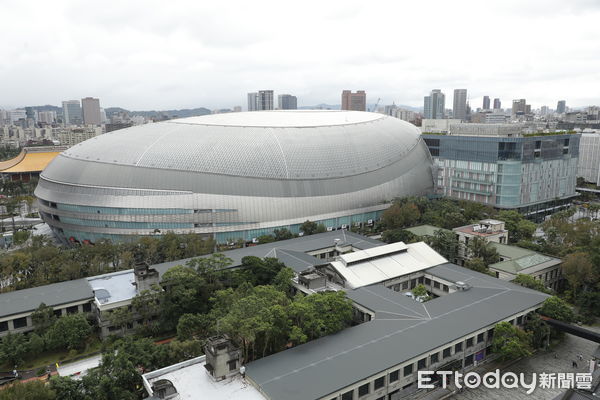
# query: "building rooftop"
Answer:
x=526 y=264
x=191 y=380
x=425 y=230
x=292 y=251
x=372 y=347
x=114 y=287
x=56 y=294
x=386 y=262
x=29 y=161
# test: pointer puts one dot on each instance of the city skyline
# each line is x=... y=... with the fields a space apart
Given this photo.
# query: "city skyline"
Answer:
x=211 y=55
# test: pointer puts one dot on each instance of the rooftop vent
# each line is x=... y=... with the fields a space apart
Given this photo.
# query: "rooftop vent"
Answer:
x=462 y=286
x=164 y=389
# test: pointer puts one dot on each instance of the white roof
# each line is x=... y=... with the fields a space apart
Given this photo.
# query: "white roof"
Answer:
x=373 y=252
x=419 y=256
x=284 y=118
x=192 y=381
x=119 y=285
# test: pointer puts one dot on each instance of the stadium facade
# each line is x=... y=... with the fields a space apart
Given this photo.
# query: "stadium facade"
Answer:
x=234 y=176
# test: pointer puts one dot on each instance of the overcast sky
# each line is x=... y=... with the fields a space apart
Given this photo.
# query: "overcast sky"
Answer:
x=161 y=54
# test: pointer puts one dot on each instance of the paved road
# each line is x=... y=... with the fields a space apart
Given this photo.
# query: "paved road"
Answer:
x=79 y=368
x=543 y=362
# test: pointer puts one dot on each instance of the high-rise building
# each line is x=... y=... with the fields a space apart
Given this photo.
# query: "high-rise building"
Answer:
x=459 y=109
x=264 y=101
x=544 y=110
x=47 y=117
x=91 y=111
x=499 y=165
x=72 y=112
x=519 y=107
x=287 y=102
x=486 y=102
x=434 y=105
x=354 y=101
x=561 y=107
x=252 y=101
x=497 y=104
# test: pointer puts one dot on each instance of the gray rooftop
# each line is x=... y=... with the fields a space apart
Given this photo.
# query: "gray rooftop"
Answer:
x=367 y=349
x=26 y=300
x=291 y=252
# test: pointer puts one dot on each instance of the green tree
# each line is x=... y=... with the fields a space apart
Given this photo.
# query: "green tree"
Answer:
x=146 y=305
x=480 y=248
x=282 y=234
x=556 y=308
x=43 y=318
x=13 y=348
x=401 y=215
x=518 y=227
x=510 y=342
x=120 y=317
x=538 y=330
x=70 y=332
x=478 y=265
x=420 y=291
x=579 y=271
x=398 y=235
x=67 y=388
x=194 y=326
x=36 y=343
x=530 y=282
x=185 y=292
x=34 y=390
x=308 y=227
x=445 y=243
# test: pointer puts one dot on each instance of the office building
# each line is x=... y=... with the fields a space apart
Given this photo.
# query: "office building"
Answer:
x=253 y=101
x=72 y=114
x=264 y=100
x=47 y=117
x=17 y=115
x=459 y=109
x=589 y=157
x=519 y=107
x=561 y=107
x=287 y=102
x=234 y=176
x=434 y=105
x=354 y=101
x=497 y=104
x=91 y=111
x=486 y=102
x=498 y=166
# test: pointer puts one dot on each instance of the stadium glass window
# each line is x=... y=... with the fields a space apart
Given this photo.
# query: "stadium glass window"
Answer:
x=447 y=352
x=20 y=322
x=379 y=383
x=408 y=370
x=469 y=342
x=363 y=390
x=348 y=395
x=480 y=337
x=434 y=358
x=394 y=376
x=458 y=347
x=422 y=363
x=3 y=326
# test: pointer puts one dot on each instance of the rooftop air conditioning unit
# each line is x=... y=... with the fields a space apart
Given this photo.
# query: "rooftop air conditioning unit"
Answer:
x=370 y=222
x=344 y=226
x=329 y=228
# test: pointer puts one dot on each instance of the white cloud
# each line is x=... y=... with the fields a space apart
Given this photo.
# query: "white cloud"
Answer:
x=175 y=54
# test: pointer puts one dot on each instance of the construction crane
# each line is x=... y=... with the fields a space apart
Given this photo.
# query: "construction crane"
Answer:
x=374 y=109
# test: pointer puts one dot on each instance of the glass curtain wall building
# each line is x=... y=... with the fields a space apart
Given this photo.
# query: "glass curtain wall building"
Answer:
x=234 y=176
x=531 y=174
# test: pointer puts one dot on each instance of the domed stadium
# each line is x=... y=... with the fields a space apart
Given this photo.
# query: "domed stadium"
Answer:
x=234 y=176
